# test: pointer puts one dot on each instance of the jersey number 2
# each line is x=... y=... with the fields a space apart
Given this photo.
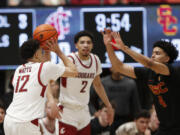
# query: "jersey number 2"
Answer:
x=84 y=83
x=25 y=79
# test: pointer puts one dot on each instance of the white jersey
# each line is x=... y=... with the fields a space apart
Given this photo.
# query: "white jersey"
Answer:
x=29 y=82
x=46 y=131
x=76 y=91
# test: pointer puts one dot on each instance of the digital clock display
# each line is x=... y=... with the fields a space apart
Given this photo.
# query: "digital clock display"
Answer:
x=130 y=22
x=16 y=27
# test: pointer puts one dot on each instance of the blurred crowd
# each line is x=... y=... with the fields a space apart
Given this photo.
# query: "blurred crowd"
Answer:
x=81 y=2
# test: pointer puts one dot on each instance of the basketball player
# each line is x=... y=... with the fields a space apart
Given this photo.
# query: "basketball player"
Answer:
x=75 y=92
x=158 y=73
x=30 y=82
x=49 y=125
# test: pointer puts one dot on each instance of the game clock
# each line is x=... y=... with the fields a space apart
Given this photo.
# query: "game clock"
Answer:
x=130 y=22
x=16 y=27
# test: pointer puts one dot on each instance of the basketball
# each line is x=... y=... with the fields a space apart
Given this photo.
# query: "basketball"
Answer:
x=43 y=33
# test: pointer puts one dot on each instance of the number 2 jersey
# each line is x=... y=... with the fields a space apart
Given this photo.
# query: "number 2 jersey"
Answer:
x=29 y=82
x=76 y=91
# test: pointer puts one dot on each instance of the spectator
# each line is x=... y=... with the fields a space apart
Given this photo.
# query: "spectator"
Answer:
x=123 y=92
x=173 y=1
x=99 y=122
x=24 y=2
x=7 y=97
x=48 y=124
x=138 y=127
x=53 y=2
x=89 y=2
x=2 y=115
x=143 y=1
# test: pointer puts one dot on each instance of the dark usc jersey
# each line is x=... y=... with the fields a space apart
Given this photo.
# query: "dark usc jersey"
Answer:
x=166 y=95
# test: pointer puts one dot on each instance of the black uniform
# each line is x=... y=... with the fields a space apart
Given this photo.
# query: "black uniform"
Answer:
x=166 y=96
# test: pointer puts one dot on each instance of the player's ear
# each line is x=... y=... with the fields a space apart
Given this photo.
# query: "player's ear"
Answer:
x=36 y=54
x=167 y=59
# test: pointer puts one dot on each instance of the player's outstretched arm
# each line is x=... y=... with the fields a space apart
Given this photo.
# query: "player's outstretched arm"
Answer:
x=147 y=62
x=71 y=70
x=116 y=63
x=99 y=88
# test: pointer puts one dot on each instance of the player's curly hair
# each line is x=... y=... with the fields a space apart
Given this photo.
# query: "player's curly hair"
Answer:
x=169 y=48
x=83 y=33
x=28 y=49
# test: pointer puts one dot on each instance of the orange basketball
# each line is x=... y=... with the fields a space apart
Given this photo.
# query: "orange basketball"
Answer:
x=43 y=33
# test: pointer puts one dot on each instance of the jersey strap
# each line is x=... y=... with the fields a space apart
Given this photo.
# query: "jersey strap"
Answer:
x=96 y=63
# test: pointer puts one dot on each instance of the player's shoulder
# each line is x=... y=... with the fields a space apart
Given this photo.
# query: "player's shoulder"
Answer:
x=94 y=55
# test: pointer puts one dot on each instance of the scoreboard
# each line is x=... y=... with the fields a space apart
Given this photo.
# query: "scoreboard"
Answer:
x=130 y=22
x=16 y=26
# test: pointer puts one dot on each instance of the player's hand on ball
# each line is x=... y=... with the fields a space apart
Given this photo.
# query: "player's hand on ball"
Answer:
x=52 y=45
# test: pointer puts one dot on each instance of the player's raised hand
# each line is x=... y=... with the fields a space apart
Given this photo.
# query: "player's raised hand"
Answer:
x=110 y=112
x=119 y=43
x=52 y=45
x=107 y=38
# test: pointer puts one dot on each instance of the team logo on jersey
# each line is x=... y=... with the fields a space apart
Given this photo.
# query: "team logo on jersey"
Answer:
x=158 y=90
x=60 y=20
x=62 y=131
x=167 y=20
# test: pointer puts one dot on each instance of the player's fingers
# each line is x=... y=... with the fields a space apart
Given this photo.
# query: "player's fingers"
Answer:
x=48 y=47
x=113 y=44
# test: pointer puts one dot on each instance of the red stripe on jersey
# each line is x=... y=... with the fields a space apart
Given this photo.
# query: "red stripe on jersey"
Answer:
x=64 y=82
x=35 y=122
x=83 y=64
x=72 y=58
x=39 y=80
x=96 y=63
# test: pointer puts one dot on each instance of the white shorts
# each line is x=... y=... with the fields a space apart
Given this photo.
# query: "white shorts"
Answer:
x=19 y=128
x=78 y=118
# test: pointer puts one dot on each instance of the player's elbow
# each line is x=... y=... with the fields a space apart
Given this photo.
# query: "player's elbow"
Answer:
x=70 y=72
x=75 y=72
x=149 y=63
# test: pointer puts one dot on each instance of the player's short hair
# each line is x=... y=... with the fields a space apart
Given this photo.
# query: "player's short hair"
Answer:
x=142 y=114
x=169 y=48
x=81 y=34
x=28 y=49
x=102 y=105
x=2 y=105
